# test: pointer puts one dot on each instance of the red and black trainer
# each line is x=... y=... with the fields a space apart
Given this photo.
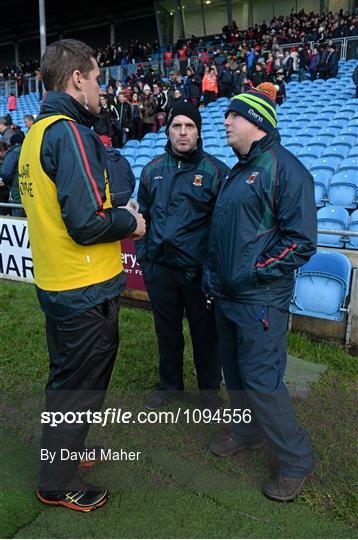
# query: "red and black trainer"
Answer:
x=85 y=499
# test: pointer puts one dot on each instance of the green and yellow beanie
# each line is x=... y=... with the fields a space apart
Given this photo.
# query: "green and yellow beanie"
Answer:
x=257 y=106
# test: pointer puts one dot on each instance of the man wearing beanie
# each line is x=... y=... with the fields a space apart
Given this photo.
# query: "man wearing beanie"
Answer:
x=263 y=228
x=177 y=194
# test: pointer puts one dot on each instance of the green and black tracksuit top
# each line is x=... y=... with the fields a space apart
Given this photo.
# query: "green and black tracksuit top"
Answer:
x=263 y=228
x=176 y=196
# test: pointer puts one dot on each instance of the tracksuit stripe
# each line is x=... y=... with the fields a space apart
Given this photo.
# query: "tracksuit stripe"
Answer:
x=273 y=259
x=85 y=160
x=80 y=161
x=80 y=152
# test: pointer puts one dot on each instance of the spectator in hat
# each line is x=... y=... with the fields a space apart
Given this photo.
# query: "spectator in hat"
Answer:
x=192 y=87
x=280 y=88
x=226 y=80
x=260 y=74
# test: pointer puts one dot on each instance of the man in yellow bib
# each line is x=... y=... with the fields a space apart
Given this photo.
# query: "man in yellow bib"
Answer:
x=75 y=240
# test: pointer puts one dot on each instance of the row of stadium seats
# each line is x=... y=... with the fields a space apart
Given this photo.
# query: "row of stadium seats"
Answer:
x=337 y=218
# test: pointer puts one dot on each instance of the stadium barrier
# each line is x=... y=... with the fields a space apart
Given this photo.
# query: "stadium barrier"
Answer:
x=16 y=264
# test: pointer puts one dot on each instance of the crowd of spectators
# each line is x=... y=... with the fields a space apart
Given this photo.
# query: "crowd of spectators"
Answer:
x=293 y=28
x=140 y=103
x=240 y=60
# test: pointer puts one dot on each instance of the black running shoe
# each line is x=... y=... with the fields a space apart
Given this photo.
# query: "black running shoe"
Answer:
x=84 y=499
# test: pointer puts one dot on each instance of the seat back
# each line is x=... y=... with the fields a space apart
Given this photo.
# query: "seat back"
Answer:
x=322 y=286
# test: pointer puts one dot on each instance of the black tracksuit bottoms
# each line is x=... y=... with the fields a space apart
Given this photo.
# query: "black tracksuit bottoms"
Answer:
x=82 y=353
x=171 y=291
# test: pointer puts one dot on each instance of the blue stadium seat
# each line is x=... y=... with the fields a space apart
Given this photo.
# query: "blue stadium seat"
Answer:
x=350 y=130
x=302 y=122
x=311 y=151
x=352 y=242
x=310 y=131
x=353 y=152
x=158 y=148
x=147 y=143
x=323 y=138
x=294 y=148
x=322 y=287
x=211 y=148
x=320 y=115
x=221 y=153
x=146 y=151
x=149 y=136
x=336 y=124
x=347 y=140
x=343 y=189
x=338 y=150
x=129 y=151
x=349 y=163
x=330 y=162
x=334 y=218
x=321 y=181
x=133 y=143
x=308 y=161
x=211 y=139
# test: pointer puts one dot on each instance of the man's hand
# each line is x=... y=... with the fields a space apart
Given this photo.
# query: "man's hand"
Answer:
x=140 y=230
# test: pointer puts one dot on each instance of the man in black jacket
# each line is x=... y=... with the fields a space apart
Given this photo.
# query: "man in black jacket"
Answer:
x=332 y=62
x=125 y=118
x=263 y=228
x=177 y=195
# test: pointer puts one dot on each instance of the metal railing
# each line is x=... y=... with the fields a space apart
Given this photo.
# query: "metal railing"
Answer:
x=333 y=232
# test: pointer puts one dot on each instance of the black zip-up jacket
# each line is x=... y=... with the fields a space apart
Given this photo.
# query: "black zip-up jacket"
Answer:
x=263 y=228
x=87 y=223
x=177 y=195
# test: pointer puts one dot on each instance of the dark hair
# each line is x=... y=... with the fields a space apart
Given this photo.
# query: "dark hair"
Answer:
x=17 y=138
x=3 y=146
x=61 y=59
x=29 y=117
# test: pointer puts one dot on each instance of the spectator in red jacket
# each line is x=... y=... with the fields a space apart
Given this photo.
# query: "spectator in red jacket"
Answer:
x=11 y=102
